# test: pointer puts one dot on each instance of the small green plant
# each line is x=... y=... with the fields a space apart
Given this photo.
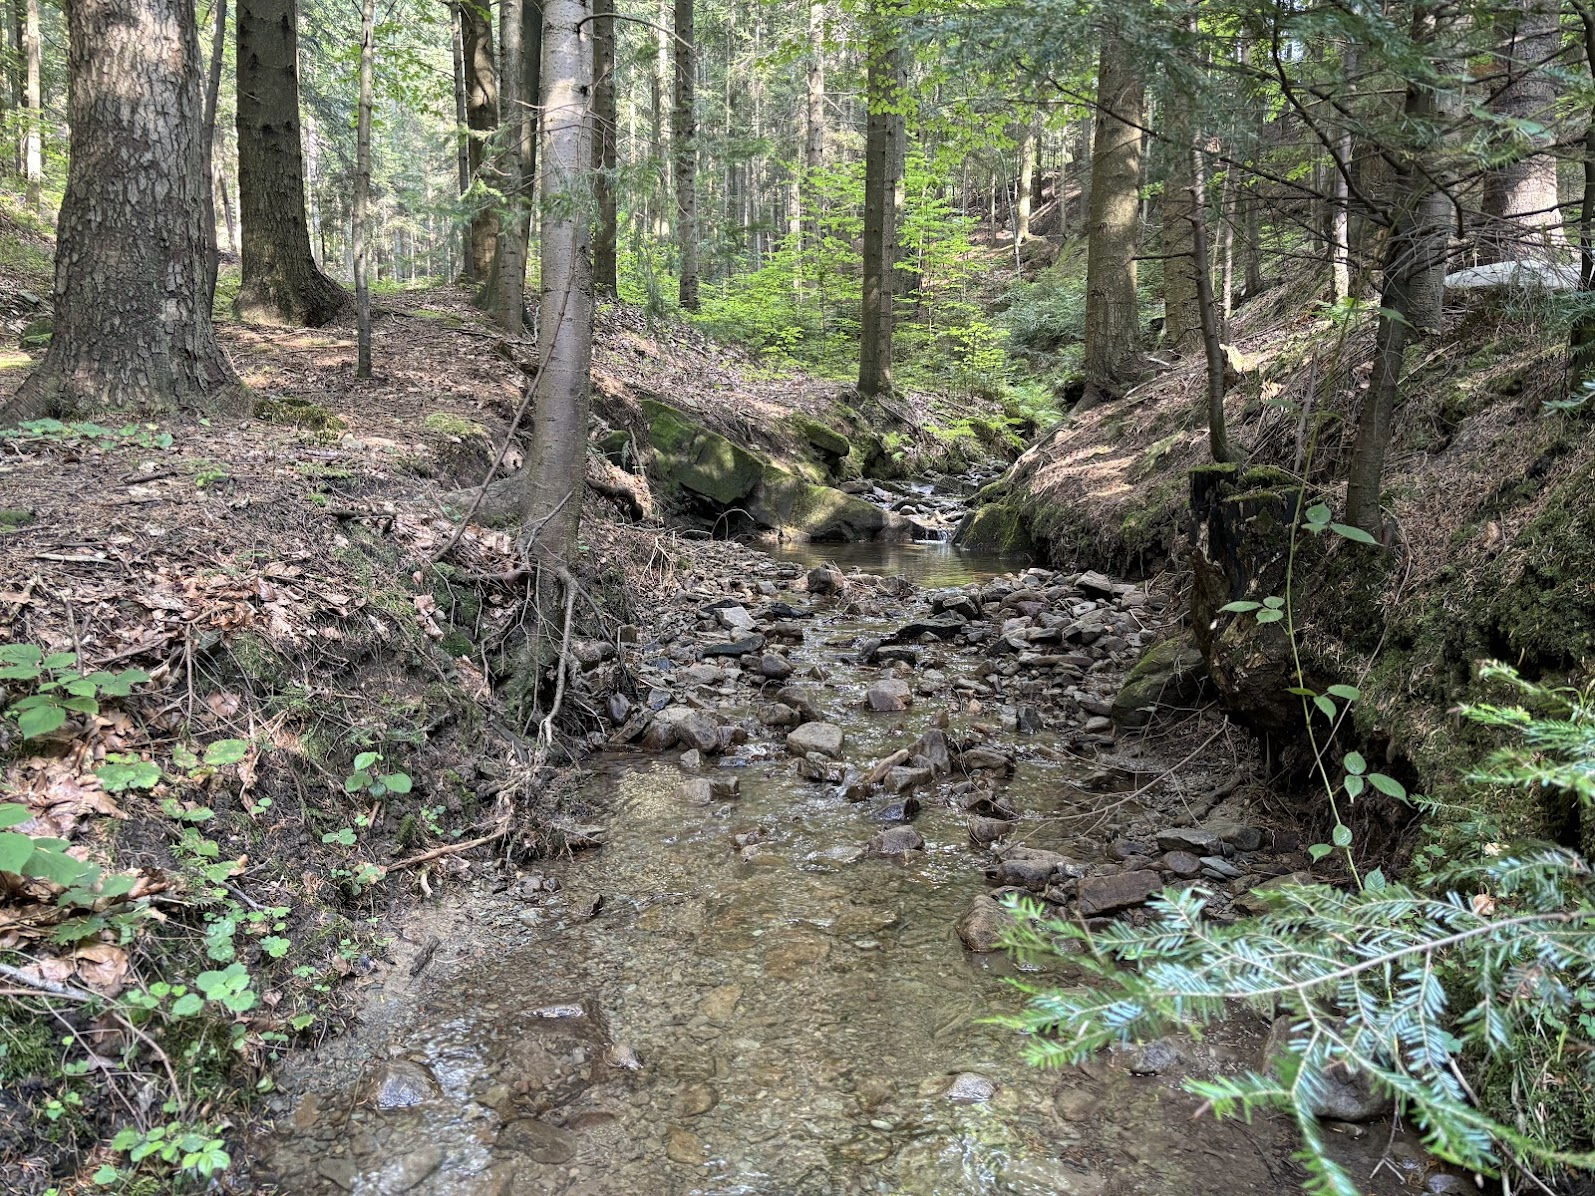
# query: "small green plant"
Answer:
x=180 y=1148
x=58 y=690
x=365 y=778
x=44 y=432
x=41 y=856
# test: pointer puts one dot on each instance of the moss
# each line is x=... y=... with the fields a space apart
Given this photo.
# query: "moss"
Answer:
x=15 y=517
x=446 y=423
x=691 y=457
x=826 y=439
x=261 y=663
x=1000 y=528
x=301 y=413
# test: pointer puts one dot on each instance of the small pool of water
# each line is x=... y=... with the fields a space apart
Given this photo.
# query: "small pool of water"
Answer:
x=927 y=563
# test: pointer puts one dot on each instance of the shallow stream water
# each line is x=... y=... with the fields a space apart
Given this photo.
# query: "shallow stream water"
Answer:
x=788 y=1018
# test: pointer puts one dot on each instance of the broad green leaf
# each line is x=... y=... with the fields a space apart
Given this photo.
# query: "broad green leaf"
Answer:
x=226 y=751
x=365 y=760
x=1241 y=607
x=1341 y=836
x=1375 y=881
x=1319 y=850
x=1270 y=616
x=15 y=850
x=22 y=654
x=13 y=815
x=1318 y=513
x=187 y=1005
x=82 y=704
x=1274 y=603
x=1349 y=692
x=40 y=720
x=1355 y=763
x=1388 y=785
x=55 y=866
x=59 y=660
x=119 y=776
x=1346 y=531
x=1325 y=706
x=1354 y=786
x=397 y=782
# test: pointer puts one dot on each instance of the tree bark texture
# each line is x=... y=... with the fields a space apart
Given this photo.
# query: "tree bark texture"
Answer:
x=555 y=468
x=1112 y=321
x=1023 y=189
x=132 y=313
x=19 y=76
x=604 y=145
x=509 y=274
x=883 y=156
x=684 y=144
x=281 y=282
x=1413 y=273
x=359 y=234
x=462 y=134
x=481 y=115
x=1182 y=317
x=1521 y=216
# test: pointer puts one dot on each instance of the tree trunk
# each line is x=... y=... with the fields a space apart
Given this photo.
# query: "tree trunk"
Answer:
x=1027 y=168
x=814 y=120
x=1207 y=311
x=228 y=222
x=132 y=317
x=1413 y=269
x=882 y=177
x=1582 y=336
x=281 y=283
x=481 y=116
x=509 y=293
x=359 y=234
x=684 y=142
x=32 y=147
x=1112 y=320
x=19 y=79
x=604 y=157
x=552 y=500
x=462 y=128
x=207 y=137
x=659 y=128
x=1521 y=216
x=1182 y=316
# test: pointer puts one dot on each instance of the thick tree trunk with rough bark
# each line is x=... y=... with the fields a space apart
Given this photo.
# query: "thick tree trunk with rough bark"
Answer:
x=360 y=235
x=604 y=144
x=1112 y=321
x=554 y=471
x=684 y=143
x=281 y=283
x=1182 y=316
x=462 y=128
x=481 y=116
x=1521 y=216
x=132 y=310
x=883 y=157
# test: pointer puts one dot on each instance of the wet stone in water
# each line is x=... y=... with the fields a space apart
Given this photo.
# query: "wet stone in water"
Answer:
x=402 y=1084
x=971 y=1088
x=538 y=1141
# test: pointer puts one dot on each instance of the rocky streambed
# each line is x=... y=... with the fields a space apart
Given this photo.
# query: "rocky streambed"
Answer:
x=770 y=977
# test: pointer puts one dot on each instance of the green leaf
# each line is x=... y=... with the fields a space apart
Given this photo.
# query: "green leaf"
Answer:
x=356 y=782
x=1319 y=850
x=1241 y=607
x=1341 y=836
x=59 y=660
x=1318 y=513
x=122 y=683
x=54 y=866
x=1388 y=785
x=22 y=654
x=14 y=815
x=397 y=782
x=1274 y=603
x=118 y=776
x=1375 y=881
x=226 y=751
x=1354 y=785
x=40 y=720
x=1346 y=531
x=187 y=1005
x=1349 y=692
x=1270 y=616
x=15 y=851
x=365 y=760
x=275 y=946
x=1325 y=705
x=1302 y=691
x=1355 y=763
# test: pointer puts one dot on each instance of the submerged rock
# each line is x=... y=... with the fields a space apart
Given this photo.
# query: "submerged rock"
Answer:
x=889 y=696
x=983 y=924
x=1101 y=895
x=1171 y=673
x=824 y=738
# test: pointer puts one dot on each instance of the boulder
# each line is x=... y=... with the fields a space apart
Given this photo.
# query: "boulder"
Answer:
x=690 y=457
x=1197 y=842
x=824 y=738
x=983 y=924
x=1102 y=895
x=1170 y=673
x=895 y=840
x=889 y=696
x=828 y=441
x=823 y=513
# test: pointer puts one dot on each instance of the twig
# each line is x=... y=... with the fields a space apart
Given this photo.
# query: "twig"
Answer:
x=450 y=849
x=54 y=989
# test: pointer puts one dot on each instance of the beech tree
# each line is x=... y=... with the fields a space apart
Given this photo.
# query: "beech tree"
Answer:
x=132 y=277
x=281 y=282
x=883 y=159
x=552 y=501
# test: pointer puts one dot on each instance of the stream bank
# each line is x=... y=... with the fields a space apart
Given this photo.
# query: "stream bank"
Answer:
x=762 y=981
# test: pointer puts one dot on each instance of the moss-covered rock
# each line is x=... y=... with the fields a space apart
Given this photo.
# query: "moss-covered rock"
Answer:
x=691 y=457
x=784 y=500
x=1170 y=673
x=300 y=413
x=826 y=440
x=998 y=527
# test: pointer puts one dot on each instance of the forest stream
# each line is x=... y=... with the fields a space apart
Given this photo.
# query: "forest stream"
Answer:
x=734 y=994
